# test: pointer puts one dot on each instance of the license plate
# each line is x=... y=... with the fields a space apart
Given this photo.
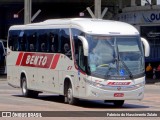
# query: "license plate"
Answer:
x=118 y=94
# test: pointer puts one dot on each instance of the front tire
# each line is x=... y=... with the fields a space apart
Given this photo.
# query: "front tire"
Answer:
x=25 y=91
x=69 y=96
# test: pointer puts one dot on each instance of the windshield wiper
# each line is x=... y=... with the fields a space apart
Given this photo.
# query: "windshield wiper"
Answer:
x=126 y=67
x=119 y=59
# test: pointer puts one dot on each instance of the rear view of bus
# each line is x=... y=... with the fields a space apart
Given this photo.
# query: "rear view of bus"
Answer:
x=105 y=60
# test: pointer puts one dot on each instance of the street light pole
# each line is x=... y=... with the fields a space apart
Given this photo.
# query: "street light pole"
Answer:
x=97 y=8
x=27 y=11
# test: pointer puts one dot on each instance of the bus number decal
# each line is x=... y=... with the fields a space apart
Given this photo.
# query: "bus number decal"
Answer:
x=118 y=83
x=69 y=68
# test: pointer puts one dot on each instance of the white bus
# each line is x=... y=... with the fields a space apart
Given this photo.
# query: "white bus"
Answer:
x=78 y=58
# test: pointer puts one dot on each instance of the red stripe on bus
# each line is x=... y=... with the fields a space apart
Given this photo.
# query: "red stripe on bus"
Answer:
x=19 y=59
x=55 y=61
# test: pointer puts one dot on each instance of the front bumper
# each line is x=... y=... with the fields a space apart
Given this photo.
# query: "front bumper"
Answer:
x=95 y=93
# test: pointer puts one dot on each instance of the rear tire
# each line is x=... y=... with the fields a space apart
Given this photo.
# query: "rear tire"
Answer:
x=25 y=91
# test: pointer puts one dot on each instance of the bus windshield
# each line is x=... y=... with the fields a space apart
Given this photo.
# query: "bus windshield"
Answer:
x=115 y=57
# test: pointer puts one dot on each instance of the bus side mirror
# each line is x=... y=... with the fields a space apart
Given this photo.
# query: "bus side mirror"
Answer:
x=146 y=47
x=85 y=44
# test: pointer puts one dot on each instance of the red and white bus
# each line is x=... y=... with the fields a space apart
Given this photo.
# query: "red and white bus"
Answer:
x=78 y=58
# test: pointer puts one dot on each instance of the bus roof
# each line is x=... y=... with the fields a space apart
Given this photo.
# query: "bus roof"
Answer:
x=88 y=25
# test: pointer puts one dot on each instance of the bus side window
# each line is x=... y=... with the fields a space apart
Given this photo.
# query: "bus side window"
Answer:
x=65 y=43
x=78 y=48
x=81 y=57
x=31 y=42
x=22 y=43
x=53 y=42
x=31 y=47
x=10 y=42
x=75 y=34
x=43 y=47
x=43 y=42
x=15 y=43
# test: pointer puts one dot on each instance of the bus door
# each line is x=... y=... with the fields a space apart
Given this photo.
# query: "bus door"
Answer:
x=79 y=64
x=80 y=73
x=67 y=63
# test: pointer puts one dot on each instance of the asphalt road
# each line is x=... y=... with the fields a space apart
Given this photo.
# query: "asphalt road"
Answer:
x=12 y=100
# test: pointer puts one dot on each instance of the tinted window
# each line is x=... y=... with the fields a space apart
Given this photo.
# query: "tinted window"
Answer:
x=13 y=40
x=31 y=43
x=78 y=48
x=46 y=40
x=53 y=41
x=65 y=46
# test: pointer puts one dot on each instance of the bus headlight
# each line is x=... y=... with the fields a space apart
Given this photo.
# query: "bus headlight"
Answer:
x=140 y=84
x=96 y=84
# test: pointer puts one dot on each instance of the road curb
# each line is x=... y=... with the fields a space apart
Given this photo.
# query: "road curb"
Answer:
x=158 y=83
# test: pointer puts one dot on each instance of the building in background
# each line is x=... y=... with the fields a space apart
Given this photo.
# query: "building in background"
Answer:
x=146 y=18
x=12 y=11
x=143 y=14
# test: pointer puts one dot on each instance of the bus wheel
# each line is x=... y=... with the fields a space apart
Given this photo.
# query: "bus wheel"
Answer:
x=118 y=103
x=69 y=96
x=25 y=91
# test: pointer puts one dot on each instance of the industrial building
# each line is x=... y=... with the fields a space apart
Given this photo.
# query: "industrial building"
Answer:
x=143 y=14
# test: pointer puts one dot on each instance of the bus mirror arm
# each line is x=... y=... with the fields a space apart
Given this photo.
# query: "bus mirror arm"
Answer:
x=85 y=44
x=146 y=47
